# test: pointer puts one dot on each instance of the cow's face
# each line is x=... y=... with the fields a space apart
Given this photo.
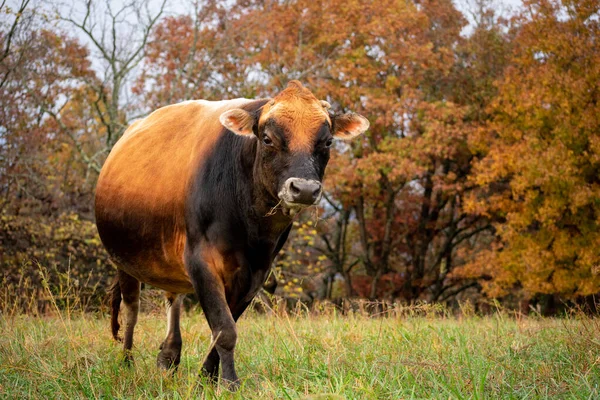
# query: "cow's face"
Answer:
x=295 y=133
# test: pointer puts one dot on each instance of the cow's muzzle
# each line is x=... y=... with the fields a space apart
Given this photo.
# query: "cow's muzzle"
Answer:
x=299 y=192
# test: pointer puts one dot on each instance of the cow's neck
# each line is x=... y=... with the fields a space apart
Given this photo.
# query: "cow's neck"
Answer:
x=265 y=209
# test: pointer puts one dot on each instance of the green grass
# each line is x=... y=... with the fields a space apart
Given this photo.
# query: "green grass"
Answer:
x=317 y=357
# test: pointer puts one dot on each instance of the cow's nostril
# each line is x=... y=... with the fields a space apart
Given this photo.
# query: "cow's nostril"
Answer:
x=294 y=189
x=316 y=192
x=302 y=191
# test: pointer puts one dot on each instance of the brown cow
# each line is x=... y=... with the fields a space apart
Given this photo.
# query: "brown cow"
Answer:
x=199 y=197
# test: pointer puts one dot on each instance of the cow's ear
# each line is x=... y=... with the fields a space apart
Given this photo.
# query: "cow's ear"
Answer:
x=350 y=125
x=238 y=121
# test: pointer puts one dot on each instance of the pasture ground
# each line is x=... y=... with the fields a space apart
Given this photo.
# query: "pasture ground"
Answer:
x=328 y=356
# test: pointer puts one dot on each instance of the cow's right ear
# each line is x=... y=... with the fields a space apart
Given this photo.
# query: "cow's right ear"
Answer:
x=238 y=121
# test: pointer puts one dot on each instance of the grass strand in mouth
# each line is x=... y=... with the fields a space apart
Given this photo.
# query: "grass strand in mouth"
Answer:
x=316 y=214
x=273 y=210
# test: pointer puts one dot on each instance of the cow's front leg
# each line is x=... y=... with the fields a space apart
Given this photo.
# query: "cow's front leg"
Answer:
x=211 y=293
x=210 y=368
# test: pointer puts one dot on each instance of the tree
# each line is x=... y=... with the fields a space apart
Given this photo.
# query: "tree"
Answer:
x=195 y=56
x=541 y=171
x=399 y=191
x=45 y=130
x=15 y=28
x=36 y=157
x=119 y=37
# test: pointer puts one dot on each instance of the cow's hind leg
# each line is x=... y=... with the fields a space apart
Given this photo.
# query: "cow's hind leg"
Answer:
x=130 y=291
x=170 y=349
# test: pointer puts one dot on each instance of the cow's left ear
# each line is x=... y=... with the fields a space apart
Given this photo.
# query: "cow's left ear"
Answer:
x=348 y=126
x=238 y=121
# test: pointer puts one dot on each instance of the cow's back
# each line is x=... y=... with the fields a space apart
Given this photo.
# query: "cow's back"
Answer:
x=143 y=186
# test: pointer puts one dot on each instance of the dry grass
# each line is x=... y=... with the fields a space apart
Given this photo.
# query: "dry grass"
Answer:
x=413 y=352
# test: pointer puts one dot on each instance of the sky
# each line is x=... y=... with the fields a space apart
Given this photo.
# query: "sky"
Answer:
x=180 y=6
x=173 y=7
x=506 y=7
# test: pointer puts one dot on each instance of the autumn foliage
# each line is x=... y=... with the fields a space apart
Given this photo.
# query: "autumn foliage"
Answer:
x=479 y=177
x=541 y=170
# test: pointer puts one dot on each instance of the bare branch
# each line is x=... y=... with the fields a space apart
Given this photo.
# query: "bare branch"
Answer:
x=13 y=28
x=119 y=55
x=56 y=116
x=9 y=39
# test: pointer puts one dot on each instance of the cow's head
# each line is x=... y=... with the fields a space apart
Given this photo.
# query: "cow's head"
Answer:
x=295 y=132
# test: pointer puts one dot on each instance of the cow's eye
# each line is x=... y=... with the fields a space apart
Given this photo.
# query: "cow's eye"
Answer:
x=329 y=142
x=267 y=141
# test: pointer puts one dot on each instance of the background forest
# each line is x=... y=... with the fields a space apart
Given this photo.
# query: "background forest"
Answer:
x=479 y=179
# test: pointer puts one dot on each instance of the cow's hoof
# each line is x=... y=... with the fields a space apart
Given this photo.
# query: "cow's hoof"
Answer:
x=211 y=374
x=231 y=385
x=127 y=359
x=168 y=361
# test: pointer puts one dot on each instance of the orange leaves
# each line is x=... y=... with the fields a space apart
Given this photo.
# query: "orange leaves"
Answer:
x=543 y=144
x=498 y=126
x=42 y=103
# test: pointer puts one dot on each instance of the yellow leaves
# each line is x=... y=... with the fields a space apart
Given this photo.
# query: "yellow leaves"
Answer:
x=299 y=262
x=543 y=145
x=392 y=83
x=55 y=244
x=95 y=241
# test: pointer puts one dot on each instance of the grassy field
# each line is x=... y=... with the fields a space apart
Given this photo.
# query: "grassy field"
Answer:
x=315 y=357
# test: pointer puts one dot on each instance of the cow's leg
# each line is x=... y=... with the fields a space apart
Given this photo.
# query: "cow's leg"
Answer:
x=170 y=349
x=130 y=291
x=211 y=293
x=210 y=368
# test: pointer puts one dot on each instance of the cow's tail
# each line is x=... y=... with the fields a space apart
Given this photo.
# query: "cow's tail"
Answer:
x=115 y=304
